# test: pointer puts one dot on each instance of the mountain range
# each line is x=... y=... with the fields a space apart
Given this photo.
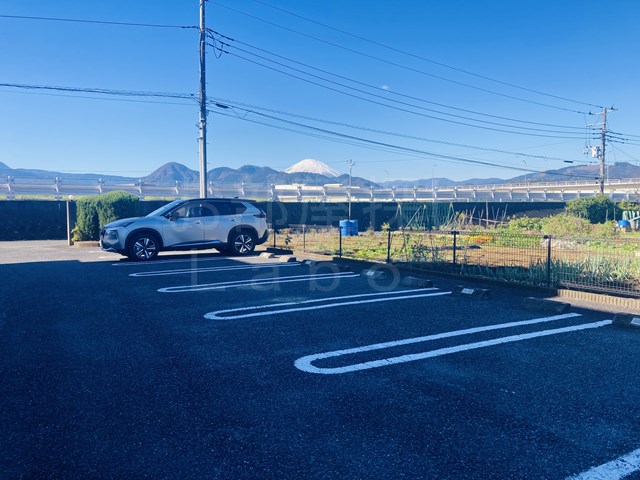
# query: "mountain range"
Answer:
x=306 y=172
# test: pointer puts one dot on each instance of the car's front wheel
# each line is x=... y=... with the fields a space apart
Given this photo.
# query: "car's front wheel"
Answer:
x=242 y=243
x=143 y=247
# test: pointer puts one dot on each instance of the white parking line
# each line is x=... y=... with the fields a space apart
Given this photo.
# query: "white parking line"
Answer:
x=306 y=363
x=191 y=259
x=399 y=295
x=184 y=271
x=613 y=470
x=253 y=282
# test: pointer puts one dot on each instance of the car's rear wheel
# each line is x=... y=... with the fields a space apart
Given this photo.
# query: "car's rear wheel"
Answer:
x=242 y=243
x=143 y=247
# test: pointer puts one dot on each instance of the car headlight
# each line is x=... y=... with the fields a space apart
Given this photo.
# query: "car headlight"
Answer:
x=111 y=234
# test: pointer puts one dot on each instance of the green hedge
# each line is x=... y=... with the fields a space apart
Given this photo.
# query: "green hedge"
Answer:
x=93 y=212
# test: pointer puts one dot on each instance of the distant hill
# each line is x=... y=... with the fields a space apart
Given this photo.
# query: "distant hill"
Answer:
x=5 y=170
x=581 y=172
x=252 y=174
x=171 y=172
x=566 y=174
x=246 y=173
x=268 y=176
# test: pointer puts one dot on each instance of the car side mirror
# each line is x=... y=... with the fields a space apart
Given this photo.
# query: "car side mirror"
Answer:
x=174 y=216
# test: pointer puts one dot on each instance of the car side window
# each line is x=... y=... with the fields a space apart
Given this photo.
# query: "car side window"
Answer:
x=237 y=208
x=219 y=208
x=189 y=210
x=208 y=210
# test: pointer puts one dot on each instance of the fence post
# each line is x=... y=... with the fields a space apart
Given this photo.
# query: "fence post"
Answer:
x=69 y=227
x=304 y=238
x=455 y=237
x=274 y=238
x=548 y=239
x=340 y=251
x=389 y=246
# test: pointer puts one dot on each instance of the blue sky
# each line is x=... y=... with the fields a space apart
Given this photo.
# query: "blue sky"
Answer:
x=581 y=54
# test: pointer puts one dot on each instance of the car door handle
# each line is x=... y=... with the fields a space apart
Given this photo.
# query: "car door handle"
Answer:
x=197 y=222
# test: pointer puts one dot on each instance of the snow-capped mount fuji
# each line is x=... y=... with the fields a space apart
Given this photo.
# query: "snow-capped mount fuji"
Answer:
x=309 y=165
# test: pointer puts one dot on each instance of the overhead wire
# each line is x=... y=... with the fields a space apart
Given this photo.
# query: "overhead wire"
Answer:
x=562 y=134
x=309 y=134
x=224 y=102
x=212 y=34
x=96 y=98
x=101 y=22
x=395 y=64
x=439 y=156
x=102 y=91
x=345 y=141
x=420 y=57
x=625 y=153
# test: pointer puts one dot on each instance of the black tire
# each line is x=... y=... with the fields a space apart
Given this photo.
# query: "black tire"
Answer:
x=143 y=247
x=241 y=243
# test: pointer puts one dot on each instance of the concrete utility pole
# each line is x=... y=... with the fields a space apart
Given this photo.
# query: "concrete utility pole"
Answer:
x=603 y=144
x=202 y=138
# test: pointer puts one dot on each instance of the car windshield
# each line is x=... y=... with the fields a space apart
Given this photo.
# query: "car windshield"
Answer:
x=165 y=208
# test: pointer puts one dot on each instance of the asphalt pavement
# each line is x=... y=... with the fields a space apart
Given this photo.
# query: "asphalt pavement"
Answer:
x=206 y=366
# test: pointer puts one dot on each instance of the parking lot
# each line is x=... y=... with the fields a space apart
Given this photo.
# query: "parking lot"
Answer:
x=206 y=366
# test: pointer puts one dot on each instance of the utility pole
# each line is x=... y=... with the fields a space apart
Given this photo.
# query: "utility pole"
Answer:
x=603 y=143
x=202 y=137
x=603 y=146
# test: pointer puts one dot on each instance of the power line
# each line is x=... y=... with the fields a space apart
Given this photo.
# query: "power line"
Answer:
x=233 y=104
x=624 y=134
x=442 y=157
x=101 y=91
x=373 y=86
x=342 y=140
x=98 y=98
x=624 y=153
x=101 y=22
x=415 y=70
x=398 y=101
x=440 y=64
x=399 y=108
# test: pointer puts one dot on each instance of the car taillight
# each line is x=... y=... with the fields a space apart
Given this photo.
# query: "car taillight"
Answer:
x=260 y=215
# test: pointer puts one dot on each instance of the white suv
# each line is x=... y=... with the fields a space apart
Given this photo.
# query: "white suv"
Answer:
x=229 y=225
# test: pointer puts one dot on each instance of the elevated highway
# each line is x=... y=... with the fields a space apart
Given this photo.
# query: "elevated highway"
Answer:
x=63 y=188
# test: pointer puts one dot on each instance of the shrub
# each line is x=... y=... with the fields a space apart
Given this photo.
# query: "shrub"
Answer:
x=115 y=205
x=525 y=224
x=94 y=211
x=603 y=230
x=627 y=205
x=565 y=225
x=87 y=223
x=597 y=209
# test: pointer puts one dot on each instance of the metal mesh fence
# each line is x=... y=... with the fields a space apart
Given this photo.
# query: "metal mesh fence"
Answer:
x=307 y=238
x=607 y=265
